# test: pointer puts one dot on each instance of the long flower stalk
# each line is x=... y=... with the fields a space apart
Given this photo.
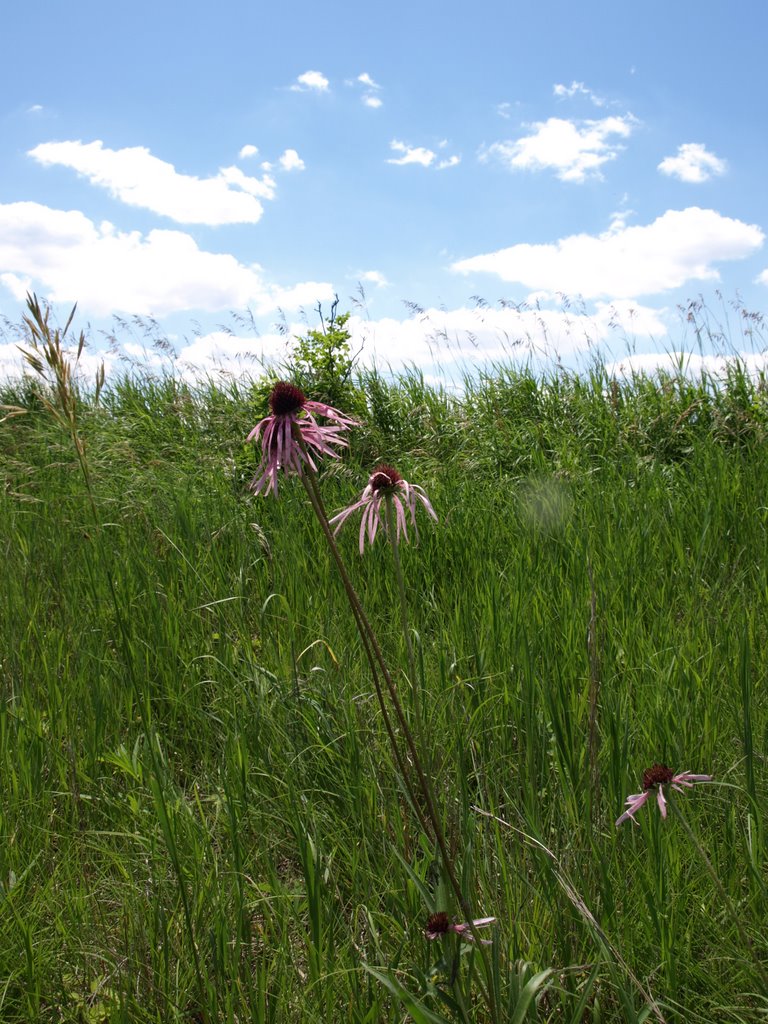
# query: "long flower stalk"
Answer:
x=316 y=502
x=376 y=658
x=373 y=651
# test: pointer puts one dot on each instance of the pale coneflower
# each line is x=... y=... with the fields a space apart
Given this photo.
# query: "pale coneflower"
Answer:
x=657 y=777
x=293 y=420
x=385 y=482
x=439 y=925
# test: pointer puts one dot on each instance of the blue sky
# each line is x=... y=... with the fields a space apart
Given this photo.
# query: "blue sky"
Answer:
x=188 y=160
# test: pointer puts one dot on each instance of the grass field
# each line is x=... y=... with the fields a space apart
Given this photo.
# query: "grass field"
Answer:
x=201 y=818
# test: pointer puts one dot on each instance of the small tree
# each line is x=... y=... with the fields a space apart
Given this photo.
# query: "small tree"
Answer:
x=322 y=362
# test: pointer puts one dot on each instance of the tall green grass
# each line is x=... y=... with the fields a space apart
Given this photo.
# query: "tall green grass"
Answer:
x=199 y=814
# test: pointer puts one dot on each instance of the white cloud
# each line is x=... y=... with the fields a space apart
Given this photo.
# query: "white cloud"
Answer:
x=207 y=355
x=365 y=79
x=620 y=217
x=291 y=161
x=630 y=317
x=221 y=351
x=420 y=155
x=374 y=277
x=679 y=246
x=455 y=340
x=569 y=91
x=137 y=178
x=574 y=150
x=263 y=187
x=71 y=259
x=369 y=98
x=504 y=110
x=13 y=365
x=16 y=285
x=36 y=108
x=411 y=154
x=464 y=336
x=693 y=164
x=247 y=151
x=692 y=364
x=311 y=81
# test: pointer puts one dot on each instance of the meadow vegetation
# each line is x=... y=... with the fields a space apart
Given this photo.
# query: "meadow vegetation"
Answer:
x=201 y=818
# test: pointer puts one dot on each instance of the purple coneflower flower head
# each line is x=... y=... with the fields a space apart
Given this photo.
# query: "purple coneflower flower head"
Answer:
x=657 y=777
x=293 y=417
x=439 y=925
x=385 y=482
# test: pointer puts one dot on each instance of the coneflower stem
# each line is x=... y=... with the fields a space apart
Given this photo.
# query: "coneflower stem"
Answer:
x=366 y=631
x=313 y=495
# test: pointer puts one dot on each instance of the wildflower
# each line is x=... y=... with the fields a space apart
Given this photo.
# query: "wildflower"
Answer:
x=656 y=778
x=438 y=925
x=385 y=482
x=283 y=429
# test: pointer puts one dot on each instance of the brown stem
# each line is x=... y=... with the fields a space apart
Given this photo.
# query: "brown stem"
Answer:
x=366 y=630
x=320 y=513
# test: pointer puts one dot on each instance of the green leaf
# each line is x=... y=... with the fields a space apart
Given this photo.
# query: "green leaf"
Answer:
x=581 y=1006
x=421 y=1014
x=529 y=993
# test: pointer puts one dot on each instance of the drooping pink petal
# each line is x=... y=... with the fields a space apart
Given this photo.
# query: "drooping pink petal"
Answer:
x=341 y=517
x=634 y=803
x=339 y=418
x=425 y=501
x=465 y=929
x=655 y=779
x=661 y=800
x=384 y=483
x=374 y=519
x=291 y=435
x=363 y=525
x=399 y=517
x=688 y=778
x=410 y=504
x=257 y=429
